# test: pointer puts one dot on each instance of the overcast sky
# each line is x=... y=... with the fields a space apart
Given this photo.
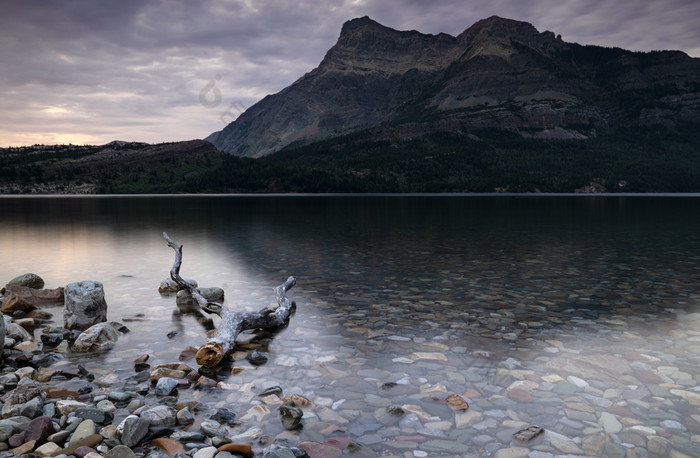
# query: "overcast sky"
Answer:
x=93 y=71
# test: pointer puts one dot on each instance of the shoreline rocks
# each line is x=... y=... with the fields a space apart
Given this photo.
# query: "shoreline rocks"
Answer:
x=503 y=381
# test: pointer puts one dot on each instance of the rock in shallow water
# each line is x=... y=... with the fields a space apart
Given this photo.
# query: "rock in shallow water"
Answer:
x=291 y=417
x=99 y=337
x=29 y=280
x=166 y=386
x=84 y=305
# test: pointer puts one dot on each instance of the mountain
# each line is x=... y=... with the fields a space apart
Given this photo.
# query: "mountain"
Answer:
x=499 y=73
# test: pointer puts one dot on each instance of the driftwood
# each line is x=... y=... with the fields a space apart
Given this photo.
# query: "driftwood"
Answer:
x=232 y=323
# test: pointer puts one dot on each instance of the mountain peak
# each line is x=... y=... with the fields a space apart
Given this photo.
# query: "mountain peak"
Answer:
x=364 y=22
x=377 y=76
x=497 y=26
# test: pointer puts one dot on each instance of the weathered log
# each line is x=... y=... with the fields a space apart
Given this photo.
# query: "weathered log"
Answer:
x=232 y=323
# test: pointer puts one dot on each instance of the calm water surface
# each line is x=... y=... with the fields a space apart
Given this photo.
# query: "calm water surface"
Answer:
x=575 y=313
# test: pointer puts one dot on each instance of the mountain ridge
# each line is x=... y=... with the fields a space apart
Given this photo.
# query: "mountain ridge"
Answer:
x=498 y=73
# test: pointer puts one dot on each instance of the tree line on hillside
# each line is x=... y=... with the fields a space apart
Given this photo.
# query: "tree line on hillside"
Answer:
x=489 y=161
x=634 y=160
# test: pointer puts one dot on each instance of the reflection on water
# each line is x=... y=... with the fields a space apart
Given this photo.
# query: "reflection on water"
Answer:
x=578 y=314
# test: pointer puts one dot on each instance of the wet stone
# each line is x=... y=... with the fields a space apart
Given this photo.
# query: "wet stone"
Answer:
x=529 y=434
x=97 y=415
x=160 y=416
x=256 y=358
x=134 y=430
x=166 y=386
x=213 y=428
x=224 y=416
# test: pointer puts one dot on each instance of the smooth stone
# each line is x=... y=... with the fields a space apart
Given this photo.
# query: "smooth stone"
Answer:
x=279 y=453
x=106 y=405
x=512 y=452
x=32 y=408
x=318 y=450
x=188 y=436
x=166 y=386
x=206 y=452
x=238 y=449
x=444 y=446
x=213 y=428
x=68 y=406
x=39 y=430
x=85 y=428
x=467 y=419
x=24 y=449
x=160 y=416
x=120 y=451
x=567 y=446
x=28 y=280
x=120 y=396
x=389 y=416
x=658 y=445
x=89 y=441
x=565 y=388
x=615 y=451
x=672 y=425
x=13 y=425
x=110 y=432
x=185 y=417
x=48 y=449
x=58 y=437
x=134 y=430
x=690 y=397
x=100 y=417
x=610 y=423
x=86 y=452
x=169 y=446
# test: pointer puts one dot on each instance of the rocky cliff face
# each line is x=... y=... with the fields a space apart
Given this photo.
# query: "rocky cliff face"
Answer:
x=498 y=73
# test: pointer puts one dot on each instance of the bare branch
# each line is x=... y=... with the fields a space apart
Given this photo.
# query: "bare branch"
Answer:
x=232 y=323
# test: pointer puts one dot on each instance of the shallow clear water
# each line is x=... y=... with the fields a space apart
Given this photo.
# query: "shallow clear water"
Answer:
x=560 y=311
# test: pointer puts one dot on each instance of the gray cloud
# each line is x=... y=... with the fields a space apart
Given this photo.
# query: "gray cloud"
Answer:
x=91 y=72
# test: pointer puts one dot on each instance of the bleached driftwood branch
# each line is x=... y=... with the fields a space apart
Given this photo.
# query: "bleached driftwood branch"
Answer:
x=232 y=323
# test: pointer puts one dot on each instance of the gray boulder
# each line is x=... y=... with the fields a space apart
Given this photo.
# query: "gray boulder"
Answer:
x=99 y=337
x=84 y=305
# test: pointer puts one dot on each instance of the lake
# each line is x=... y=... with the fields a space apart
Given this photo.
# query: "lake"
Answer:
x=578 y=314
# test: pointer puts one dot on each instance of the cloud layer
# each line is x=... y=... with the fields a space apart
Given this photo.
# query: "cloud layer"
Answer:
x=166 y=70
